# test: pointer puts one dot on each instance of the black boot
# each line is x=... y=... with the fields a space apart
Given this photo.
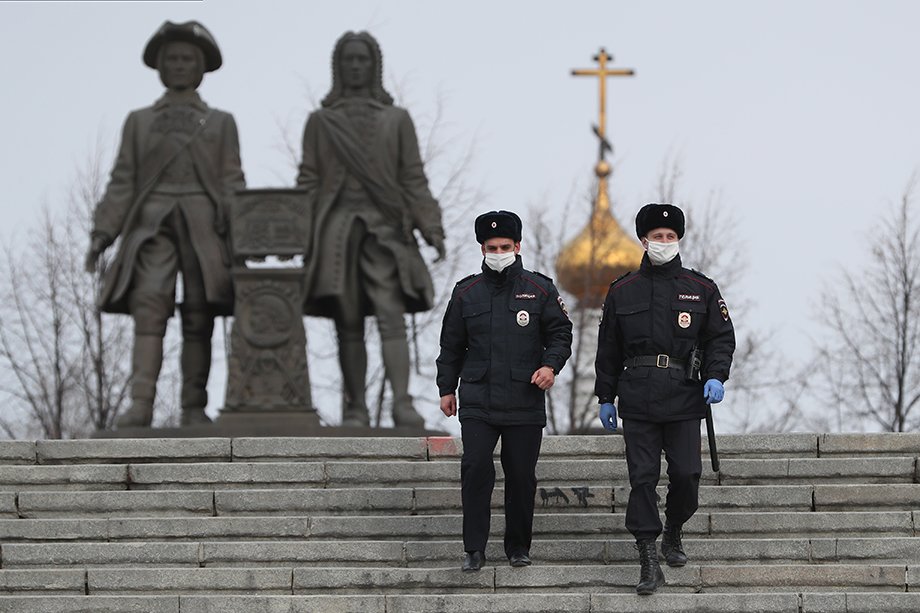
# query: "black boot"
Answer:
x=650 y=577
x=671 y=548
x=474 y=561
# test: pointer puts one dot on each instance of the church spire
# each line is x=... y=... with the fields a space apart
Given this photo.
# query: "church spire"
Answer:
x=602 y=251
x=602 y=72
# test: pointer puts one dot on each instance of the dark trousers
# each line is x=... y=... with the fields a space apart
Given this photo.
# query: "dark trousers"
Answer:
x=519 y=453
x=680 y=441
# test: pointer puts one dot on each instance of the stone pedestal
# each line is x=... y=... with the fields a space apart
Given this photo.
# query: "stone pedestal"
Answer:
x=267 y=368
x=267 y=375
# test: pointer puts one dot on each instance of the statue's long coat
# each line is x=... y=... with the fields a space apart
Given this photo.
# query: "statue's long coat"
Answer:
x=398 y=186
x=147 y=146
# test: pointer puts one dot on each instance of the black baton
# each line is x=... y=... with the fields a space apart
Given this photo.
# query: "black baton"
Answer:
x=711 y=433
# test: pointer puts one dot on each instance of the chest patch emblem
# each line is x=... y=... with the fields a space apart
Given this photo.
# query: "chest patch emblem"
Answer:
x=523 y=318
x=683 y=320
x=690 y=297
x=525 y=296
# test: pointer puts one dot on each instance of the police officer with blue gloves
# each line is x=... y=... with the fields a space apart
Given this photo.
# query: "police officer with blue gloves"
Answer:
x=505 y=337
x=664 y=350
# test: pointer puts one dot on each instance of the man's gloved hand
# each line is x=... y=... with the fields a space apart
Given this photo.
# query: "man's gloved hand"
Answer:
x=608 y=415
x=713 y=391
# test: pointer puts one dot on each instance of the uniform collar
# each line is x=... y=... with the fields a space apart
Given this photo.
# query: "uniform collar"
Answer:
x=669 y=269
x=171 y=98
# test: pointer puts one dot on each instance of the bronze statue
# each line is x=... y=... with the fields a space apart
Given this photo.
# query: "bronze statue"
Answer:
x=168 y=199
x=367 y=188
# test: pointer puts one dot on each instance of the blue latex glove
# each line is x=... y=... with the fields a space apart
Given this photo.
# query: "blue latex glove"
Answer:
x=713 y=391
x=609 y=416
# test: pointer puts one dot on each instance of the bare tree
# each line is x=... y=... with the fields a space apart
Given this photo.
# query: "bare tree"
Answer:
x=34 y=333
x=870 y=362
x=67 y=365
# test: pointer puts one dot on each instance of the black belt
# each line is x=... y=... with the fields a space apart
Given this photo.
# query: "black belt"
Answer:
x=661 y=361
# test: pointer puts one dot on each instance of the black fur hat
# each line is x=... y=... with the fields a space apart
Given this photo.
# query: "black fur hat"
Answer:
x=653 y=216
x=189 y=32
x=504 y=224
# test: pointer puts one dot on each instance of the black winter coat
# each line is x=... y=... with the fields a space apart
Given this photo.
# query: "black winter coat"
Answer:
x=661 y=310
x=498 y=330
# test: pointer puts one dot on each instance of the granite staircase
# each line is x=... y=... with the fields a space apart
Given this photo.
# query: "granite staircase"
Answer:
x=792 y=523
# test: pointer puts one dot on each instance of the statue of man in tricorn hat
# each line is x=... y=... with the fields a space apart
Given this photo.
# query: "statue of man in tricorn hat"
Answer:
x=168 y=200
x=367 y=188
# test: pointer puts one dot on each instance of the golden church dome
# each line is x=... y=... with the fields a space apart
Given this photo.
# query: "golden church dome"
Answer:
x=599 y=254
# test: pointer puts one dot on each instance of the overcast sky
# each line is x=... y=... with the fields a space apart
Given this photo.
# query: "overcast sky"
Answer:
x=803 y=114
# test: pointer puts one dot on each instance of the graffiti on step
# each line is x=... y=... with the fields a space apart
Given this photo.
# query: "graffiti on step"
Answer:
x=557 y=496
x=582 y=493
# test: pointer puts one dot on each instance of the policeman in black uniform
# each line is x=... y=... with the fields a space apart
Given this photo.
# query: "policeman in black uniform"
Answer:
x=505 y=337
x=664 y=349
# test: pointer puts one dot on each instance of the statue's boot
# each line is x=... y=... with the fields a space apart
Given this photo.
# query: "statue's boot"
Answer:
x=197 y=327
x=146 y=359
x=397 y=366
x=196 y=367
x=353 y=360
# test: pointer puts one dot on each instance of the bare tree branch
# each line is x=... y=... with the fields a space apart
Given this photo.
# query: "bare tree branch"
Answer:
x=66 y=365
x=869 y=368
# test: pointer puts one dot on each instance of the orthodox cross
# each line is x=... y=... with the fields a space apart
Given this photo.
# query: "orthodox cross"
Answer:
x=602 y=73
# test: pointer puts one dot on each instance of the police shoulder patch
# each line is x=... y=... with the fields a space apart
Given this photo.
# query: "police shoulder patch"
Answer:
x=467 y=278
x=617 y=280
x=537 y=272
x=723 y=309
x=705 y=276
x=565 y=311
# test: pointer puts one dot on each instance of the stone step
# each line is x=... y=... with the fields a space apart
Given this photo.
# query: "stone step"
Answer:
x=33 y=504
x=449 y=554
x=600 y=579
x=497 y=577
x=500 y=578
x=154 y=528
x=707 y=551
x=781 y=525
x=391 y=473
x=812 y=470
x=428 y=501
x=276 y=550
x=123 y=451
x=262 y=539
x=768 y=602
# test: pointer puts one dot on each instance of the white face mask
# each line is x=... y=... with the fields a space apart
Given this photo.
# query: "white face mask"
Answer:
x=661 y=253
x=500 y=261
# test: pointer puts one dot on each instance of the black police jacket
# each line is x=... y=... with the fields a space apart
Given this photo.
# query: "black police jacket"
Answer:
x=500 y=328
x=659 y=313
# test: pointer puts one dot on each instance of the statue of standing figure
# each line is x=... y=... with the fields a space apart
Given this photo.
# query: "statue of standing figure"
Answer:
x=366 y=185
x=177 y=170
